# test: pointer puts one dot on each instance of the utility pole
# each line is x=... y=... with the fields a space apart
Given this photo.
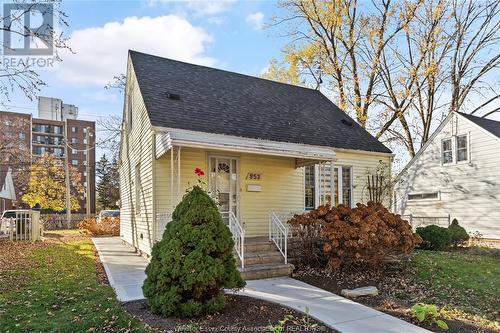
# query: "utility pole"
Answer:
x=66 y=171
x=87 y=169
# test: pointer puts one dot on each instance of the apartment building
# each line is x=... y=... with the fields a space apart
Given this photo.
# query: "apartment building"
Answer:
x=46 y=134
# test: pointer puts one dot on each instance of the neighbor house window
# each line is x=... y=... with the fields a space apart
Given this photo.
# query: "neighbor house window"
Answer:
x=462 y=148
x=310 y=187
x=74 y=162
x=137 y=189
x=423 y=196
x=74 y=129
x=446 y=151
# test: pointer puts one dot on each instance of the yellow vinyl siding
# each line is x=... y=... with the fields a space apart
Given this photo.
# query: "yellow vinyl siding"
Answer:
x=282 y=184
x=137 y=150
x=282 y=190
x=362 y=164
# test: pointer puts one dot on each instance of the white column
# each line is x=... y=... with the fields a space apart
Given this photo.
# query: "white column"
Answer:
x=172 y=178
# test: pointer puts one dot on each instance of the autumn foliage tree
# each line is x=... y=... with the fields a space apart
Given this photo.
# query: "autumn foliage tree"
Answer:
x=46 y=187
x=396 y=66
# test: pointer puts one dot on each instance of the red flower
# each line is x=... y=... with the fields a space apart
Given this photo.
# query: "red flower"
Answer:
x=199 y=172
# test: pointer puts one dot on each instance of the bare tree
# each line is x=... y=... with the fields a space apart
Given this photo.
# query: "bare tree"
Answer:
x=476 y=52
x=118 y=82
x=110 y=140
x=24 y=75
x=346 y=45
x=398 y=66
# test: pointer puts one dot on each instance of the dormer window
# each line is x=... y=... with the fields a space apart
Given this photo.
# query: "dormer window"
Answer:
x=446 y=151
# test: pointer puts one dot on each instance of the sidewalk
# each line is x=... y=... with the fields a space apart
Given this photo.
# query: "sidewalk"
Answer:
x=337 y=312
x=125 y=270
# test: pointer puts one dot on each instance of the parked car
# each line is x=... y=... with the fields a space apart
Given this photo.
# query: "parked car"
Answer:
x=22 y=221
x=113 y=214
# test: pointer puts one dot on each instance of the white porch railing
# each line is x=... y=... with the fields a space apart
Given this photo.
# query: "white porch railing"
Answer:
x=279 y=230
x=24 y=226
x=238 y=235
x=278 y=233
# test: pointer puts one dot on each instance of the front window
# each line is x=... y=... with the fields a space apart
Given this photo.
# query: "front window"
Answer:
x=462 y=151
x=446 y=151
x=310 y=187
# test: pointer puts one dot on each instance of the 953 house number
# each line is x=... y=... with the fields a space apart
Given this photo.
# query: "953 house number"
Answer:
x=253 y=176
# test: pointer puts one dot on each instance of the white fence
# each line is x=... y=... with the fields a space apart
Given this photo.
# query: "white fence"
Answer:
x=25 y=225
x=422 y=221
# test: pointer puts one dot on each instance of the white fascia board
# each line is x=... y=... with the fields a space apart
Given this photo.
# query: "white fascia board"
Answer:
x=364 y=152
x=168 y=137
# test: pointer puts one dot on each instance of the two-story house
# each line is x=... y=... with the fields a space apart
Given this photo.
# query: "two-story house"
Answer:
x=456 y=174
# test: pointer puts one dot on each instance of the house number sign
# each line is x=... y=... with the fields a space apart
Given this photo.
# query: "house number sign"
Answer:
x=253 y=176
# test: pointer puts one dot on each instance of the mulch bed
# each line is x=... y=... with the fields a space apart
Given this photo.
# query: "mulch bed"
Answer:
x=397 y=293
x=241 y=314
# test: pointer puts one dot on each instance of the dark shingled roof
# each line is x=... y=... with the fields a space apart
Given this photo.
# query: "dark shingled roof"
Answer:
x=491 y=126
x=222 y=102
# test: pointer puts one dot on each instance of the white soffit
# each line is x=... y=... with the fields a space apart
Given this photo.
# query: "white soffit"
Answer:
x=168 y=137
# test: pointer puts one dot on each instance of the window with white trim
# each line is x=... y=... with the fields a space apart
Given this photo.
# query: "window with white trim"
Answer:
x=462 y=148
x=310 y=183
x=446 y=151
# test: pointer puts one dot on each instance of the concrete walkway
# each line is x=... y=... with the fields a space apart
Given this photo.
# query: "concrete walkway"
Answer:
x=335 y=311
x=125 y=270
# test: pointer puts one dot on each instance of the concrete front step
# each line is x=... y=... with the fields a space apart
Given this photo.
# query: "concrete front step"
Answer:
x=259 y=244
x=265 y=271
x=265 y=257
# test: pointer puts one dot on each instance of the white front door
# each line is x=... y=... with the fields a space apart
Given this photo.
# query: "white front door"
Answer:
x=223 y=183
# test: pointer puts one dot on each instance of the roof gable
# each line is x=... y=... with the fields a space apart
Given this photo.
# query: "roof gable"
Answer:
x=489 y=125
x=222 y=102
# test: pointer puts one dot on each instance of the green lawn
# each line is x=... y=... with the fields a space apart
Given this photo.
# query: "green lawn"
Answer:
x=469 y=282
x=54 y=289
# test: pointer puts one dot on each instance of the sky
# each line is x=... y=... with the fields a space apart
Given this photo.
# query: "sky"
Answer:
x=229 y=35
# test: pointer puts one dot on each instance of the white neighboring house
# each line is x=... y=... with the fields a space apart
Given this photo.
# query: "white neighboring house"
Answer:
x=457 y=172
x=7 y=191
